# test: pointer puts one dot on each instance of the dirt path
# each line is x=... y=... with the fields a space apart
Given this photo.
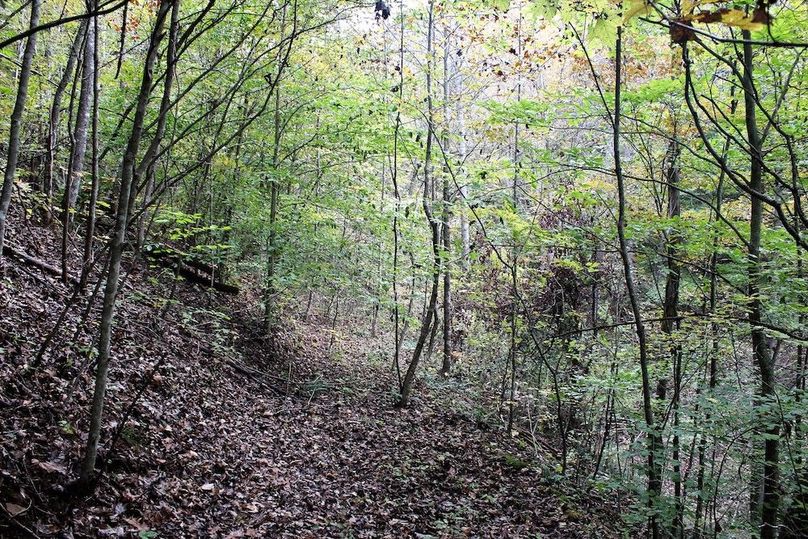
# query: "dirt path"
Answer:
x=336 y=460
x=210 y=451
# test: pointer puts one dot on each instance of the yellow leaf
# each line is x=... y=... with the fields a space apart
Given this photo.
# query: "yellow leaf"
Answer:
x=637 y=7
x=688 y=7
x=739 y=19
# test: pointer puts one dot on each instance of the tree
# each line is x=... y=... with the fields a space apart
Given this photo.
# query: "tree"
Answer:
x=653 y=437
x=13 y=152
x=117 y=245
x=79 y=138
x=430 y=310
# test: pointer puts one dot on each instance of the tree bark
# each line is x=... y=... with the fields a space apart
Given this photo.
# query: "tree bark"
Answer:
x=761 y=353
x=16 y=122
x=117 y=245
x=702 y=501
x=671 y=323
x=654 y=439
x=398 y=332
x=82 y=119
x=79 y=147
x=148 y=163
x=55 y=112
x=89 y=231
x=462 y=152
x=446 y=236
x=434 y=224
x=272 y=248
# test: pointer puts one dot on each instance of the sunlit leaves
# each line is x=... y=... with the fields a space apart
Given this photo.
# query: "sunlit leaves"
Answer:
x=636 y=8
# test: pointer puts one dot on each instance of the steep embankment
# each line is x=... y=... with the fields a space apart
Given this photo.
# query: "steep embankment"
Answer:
x=219 y=434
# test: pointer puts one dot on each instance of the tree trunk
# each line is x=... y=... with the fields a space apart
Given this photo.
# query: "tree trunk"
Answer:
x=148 y=164
x=512 y=348
x=53 y=119
x=79 y=148
x=82 y=119
x=671 y=323
x=462 y=151
x=761 y=354
x=434 y=224
x=117 y=245
x=654 y=439
x=409 y=377
x=16 y=122
x=446 y=239
x=398 y=333
x=516 y=153
x=89 y=232
x=703 y=501
x=272 y=248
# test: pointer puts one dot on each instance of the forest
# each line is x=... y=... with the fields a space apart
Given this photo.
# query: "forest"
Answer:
x=404 y=268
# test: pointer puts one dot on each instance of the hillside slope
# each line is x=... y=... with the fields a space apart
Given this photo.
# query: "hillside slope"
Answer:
x=220 y=434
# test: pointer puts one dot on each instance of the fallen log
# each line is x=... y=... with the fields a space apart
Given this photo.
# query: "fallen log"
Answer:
x=191 y=270
x=19 y=254
x=190 y=275
x=199 y=265
x=256 y=376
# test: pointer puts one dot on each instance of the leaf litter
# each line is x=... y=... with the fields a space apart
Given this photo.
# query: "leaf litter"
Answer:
x=236 y=435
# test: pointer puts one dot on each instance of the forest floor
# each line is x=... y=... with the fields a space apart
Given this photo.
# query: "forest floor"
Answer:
x=231 y=435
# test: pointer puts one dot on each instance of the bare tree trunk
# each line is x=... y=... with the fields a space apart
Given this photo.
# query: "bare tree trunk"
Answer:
x=671 y=323
x=122 y=41
x=406 y=325
x=409 y=377
x=462 y=150
x=512 y=347
x=514 y=269
x=516 y=153
x=272 y=248
x=334 y=323
x=116 y=248
x=796 y=518
x=79 y=149
x=597 y=258
x=613 y=369
x=654 y=439
x=53 y=119
x=82 y=118
x=16 y=122
x=398 y=333
x=433 y=332
x=761 y=354
x=703 y=501
x=447 y=208
x=148 y=163
x=89 y=232
x=434 y=224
